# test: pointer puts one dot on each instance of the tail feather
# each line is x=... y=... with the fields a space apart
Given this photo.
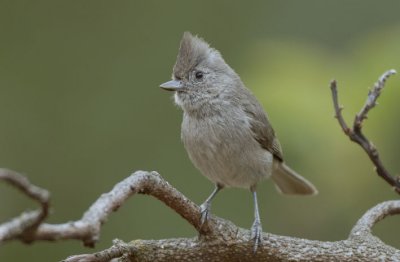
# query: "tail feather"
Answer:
x=287 y=181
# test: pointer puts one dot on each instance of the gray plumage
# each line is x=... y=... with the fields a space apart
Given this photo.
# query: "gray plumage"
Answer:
x=225 y=130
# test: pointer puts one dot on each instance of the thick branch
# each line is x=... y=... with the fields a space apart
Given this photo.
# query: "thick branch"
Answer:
x=355 y=134
x=234 y=244
x=118 y=250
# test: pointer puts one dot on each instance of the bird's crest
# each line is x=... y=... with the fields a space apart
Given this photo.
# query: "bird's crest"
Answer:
x=193 y=50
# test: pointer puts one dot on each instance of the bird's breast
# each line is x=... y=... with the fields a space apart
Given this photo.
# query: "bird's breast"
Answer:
x=222 y=147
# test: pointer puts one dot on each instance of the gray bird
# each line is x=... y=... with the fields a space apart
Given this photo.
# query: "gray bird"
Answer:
x=225 y=130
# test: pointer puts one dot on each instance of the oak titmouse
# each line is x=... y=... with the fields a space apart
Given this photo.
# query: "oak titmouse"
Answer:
x=225 y=130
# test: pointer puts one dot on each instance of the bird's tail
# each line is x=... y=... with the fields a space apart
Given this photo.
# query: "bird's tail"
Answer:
x=287 y=181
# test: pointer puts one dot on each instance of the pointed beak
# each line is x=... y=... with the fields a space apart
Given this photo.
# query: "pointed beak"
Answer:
x=172 y=85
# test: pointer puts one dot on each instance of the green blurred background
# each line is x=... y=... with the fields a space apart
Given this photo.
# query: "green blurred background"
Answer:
x=80 y=109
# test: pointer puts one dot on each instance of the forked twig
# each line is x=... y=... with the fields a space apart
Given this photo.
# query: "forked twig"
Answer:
x=23 y=226
x=355 y=133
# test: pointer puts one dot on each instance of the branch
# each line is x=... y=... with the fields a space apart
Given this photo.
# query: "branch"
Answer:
x=371 y=99
x=355 y=134
x=88 y=227
x=219 y=239
x=233 y=244
x=373 y=216
x=23 y=226
x=118 y=250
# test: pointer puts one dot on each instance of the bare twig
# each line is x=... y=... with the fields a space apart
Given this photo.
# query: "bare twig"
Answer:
x=23 y=226
x=355 y=134
x=338 y=108
x=371 y=99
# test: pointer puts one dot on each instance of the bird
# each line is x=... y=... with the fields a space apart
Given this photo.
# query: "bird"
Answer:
x=225 y=130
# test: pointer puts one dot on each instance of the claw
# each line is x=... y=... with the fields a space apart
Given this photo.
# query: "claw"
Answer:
x=205 y=211
x=256 y=230
x=206 y=206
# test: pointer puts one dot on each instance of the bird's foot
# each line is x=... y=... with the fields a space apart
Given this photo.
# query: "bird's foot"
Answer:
x=205 y=212
x=256 y=231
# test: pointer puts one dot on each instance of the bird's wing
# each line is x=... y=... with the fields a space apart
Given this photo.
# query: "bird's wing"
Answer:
x=261 y=127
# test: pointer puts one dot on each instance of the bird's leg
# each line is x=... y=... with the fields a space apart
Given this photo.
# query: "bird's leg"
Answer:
x=256 y=228
x=206 y=206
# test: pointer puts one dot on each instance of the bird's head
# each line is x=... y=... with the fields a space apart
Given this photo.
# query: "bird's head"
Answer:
x=199 y=73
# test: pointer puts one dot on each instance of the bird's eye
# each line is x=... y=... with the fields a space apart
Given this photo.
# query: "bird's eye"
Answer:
x=199 y=75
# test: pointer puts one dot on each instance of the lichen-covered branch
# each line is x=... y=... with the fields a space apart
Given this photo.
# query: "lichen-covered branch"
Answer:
x=233 y=244
x=355 y=133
